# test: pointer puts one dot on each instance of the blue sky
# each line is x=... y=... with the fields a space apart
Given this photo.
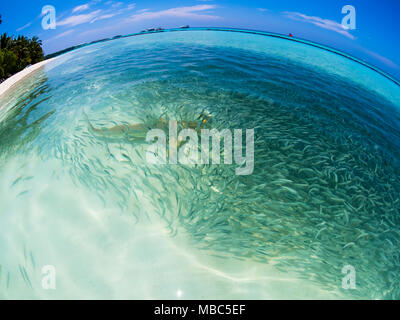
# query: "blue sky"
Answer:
x=376 y=37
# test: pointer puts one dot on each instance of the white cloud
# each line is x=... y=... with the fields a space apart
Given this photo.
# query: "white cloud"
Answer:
x=193 y=12
x=25 y=26
x=112 y=13
x=320 y=22
x=104 y=16
x=78 y=19
x=117 y=4
x=382 y=59
x=93 y=16
x=63 y=34
x=81 y=8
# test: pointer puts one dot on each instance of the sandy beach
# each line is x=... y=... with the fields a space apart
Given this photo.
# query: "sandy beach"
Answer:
x=7 y=84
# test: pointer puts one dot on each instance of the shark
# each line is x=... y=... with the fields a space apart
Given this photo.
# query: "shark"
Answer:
x=137 y=132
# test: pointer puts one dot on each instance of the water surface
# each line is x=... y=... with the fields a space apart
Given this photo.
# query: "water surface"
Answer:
x=324 y=192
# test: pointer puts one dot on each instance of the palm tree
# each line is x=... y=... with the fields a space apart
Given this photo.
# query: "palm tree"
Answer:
x=5 y=41
x=17 y=53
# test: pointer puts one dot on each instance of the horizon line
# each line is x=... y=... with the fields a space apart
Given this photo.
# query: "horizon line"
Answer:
x=239 y=30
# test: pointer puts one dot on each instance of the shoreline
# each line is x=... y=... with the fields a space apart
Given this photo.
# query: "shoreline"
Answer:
x=14 y=79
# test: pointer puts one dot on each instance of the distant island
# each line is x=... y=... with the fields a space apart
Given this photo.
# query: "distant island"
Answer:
x=55 y=54
x=150 y=30
x=20 y=52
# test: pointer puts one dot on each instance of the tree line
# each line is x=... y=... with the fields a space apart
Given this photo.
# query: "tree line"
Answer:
x=18 y=52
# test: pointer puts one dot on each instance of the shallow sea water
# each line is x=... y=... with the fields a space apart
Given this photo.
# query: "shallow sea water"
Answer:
x=324 y=192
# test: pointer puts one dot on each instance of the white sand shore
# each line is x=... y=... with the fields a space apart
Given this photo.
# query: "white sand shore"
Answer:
x=7 y=84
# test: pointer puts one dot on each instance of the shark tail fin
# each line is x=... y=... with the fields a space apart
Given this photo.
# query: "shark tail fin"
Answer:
x=91 y=128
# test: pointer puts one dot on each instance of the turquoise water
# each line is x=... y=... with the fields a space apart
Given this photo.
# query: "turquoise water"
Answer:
x=324 y=192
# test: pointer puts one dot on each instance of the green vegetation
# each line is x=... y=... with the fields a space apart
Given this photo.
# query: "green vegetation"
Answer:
x=17 y=53
x=55 y=54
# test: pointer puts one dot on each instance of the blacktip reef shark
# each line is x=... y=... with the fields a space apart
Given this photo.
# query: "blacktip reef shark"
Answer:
x=137 y=132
